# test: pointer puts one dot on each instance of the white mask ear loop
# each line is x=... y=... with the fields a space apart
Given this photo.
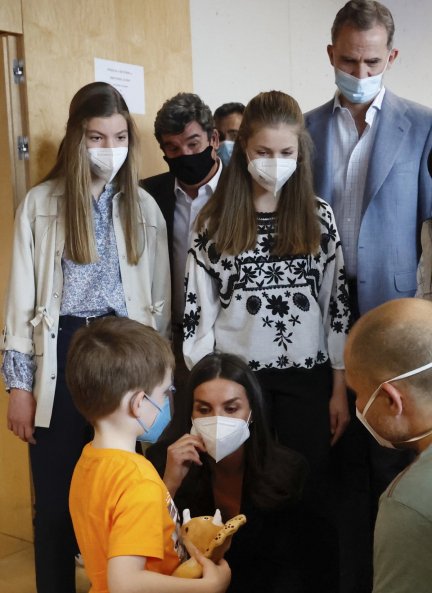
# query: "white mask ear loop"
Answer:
x=398 y=378
x=387 y=62
x=410 y=373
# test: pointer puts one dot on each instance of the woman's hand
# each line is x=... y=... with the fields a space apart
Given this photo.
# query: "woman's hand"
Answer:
x=21 y=413
x=338 y=406
x=180 y=456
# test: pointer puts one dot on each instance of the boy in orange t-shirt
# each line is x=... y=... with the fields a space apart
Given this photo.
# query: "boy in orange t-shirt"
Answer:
x=119 y=373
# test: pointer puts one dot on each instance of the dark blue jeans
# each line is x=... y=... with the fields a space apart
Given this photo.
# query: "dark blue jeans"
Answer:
x=53 y=459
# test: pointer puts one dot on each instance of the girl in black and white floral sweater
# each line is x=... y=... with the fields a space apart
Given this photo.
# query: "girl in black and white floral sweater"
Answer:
x=265 y=280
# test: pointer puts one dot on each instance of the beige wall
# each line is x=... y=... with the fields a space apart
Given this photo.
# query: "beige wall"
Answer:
x=281 y=44
x=61 y=39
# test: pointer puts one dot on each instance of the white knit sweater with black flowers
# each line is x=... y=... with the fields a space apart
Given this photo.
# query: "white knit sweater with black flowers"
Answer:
x=274 y=312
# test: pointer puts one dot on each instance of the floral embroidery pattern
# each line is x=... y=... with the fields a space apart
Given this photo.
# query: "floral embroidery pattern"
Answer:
x=190 y=322
x=281 y=303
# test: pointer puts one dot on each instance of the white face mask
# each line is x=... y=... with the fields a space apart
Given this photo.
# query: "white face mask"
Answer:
x=222 y=435
x=106 y=162
x=359 y=90
x=272 y=173
x=361 y=415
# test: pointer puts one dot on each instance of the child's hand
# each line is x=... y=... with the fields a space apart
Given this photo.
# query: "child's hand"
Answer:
x=216 y=576
x=180 y=456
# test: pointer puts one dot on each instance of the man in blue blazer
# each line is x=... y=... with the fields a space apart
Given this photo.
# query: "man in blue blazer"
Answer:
x=370 y=164
x=396 y=193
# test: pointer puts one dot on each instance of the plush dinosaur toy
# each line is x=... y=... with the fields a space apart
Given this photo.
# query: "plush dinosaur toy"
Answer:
x=210 y=535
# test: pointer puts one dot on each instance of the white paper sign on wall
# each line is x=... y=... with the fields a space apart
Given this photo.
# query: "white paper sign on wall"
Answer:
x=128 y=79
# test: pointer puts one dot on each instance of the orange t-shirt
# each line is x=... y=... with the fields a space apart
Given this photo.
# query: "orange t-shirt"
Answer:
x=120 y=507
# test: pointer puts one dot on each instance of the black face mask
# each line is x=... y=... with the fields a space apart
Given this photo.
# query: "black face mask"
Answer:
x=191 y=168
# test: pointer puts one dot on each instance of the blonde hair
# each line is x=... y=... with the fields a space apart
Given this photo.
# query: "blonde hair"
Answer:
x=97 y=99
x=230 y=215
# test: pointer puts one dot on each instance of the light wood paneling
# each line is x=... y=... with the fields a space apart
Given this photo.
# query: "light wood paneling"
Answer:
x=10 y=16
x=15 y=504
x=15 y=117
x=15 y=491
x=62 y=39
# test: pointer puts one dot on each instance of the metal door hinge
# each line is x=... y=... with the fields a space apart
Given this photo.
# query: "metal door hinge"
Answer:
x=23 y=148
x=18 y=71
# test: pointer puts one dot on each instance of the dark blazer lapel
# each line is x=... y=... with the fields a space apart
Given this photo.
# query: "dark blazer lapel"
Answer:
x=393 y=125
x=161 y=188
x=169 y=200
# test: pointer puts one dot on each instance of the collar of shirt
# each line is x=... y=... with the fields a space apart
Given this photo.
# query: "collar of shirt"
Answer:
x=205 y=190
x=370 y=113
x=185 y=212
x=106 y=196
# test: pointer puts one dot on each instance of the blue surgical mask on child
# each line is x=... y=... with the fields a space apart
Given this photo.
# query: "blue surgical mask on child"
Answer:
x=163 y=418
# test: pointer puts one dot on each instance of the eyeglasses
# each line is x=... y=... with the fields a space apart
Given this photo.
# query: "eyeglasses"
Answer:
x=168 y=393
x=171 y=390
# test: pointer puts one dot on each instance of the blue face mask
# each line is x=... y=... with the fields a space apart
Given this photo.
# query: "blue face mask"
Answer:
x=225 y=151
x=359 y=90
x=152 y=434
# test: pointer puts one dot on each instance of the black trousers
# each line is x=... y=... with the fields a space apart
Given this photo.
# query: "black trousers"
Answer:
x=53 y=459
x=297 y=402
x=360 y=471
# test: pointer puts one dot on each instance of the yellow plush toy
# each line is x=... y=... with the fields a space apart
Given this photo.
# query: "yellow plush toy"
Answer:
x=210 y=535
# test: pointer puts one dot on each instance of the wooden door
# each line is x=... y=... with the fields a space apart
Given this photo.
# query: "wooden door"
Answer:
x=15 y=490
